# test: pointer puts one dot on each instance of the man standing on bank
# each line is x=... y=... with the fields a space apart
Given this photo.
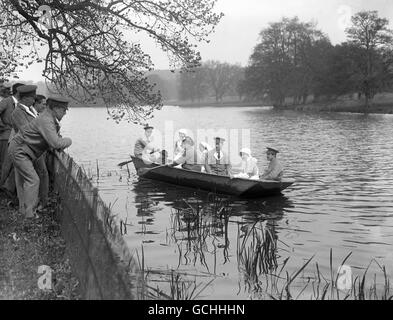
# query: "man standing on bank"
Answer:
x=26 y=111
x=274 y=171
x=40 y=135
x=7 y=106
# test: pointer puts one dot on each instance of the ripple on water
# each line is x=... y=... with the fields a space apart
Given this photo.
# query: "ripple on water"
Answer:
x=342 y=198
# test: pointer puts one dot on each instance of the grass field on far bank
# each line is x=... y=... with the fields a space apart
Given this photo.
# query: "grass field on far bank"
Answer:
x=382 y=103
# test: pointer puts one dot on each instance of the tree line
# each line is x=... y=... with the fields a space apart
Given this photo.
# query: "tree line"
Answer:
x=294 y=59
x=86 y=50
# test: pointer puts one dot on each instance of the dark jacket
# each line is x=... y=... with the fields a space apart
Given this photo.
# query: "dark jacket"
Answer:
x=40 y=135
x=20 y=117
x=140 y=145
x=6 y=108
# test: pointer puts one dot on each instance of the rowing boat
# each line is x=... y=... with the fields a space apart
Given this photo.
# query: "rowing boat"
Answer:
x=210 y=182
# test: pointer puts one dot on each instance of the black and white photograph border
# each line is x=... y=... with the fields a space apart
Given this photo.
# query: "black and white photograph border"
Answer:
x=196 y=151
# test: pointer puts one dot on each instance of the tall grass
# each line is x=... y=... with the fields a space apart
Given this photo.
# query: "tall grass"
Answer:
x=196 y=226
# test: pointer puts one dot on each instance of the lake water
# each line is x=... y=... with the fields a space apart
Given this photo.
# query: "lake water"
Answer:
x=342 y=199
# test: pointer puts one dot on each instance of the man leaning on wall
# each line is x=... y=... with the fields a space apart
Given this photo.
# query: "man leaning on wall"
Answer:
x=40 y=135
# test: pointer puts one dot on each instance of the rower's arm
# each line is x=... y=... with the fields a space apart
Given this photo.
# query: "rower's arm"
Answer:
x=274 y=174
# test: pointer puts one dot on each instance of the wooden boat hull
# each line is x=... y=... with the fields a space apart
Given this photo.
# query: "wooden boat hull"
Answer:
x=209 y=182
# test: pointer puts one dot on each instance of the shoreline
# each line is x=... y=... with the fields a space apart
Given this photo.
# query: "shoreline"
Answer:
x=380 y=105
x=27 y=247
x=350 y=106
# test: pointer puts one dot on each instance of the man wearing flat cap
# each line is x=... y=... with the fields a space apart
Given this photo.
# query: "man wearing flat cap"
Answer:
x=274 y=170
x=24 y=112
x=38 y=136
x=144 y=148
x=7 y=106
x=4 y=92
x=217 y=161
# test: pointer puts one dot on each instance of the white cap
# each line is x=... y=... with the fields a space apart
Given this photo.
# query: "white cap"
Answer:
x=246 y=150
x=184 y=131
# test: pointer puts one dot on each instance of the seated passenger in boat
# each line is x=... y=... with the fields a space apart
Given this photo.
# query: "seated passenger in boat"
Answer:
x=179 y=145
x=189 y=158
x=144 y=147
x=274 y=171
x=217 y=161
x=151 y=154
x=249 y=168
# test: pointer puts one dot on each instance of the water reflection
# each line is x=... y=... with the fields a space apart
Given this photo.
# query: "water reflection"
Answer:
x=210 y=231
x=342 y=199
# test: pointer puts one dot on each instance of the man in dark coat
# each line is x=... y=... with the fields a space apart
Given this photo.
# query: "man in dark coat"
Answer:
x=7 y=106
x=40 y=135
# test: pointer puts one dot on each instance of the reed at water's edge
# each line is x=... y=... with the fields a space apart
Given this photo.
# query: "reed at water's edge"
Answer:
x=262 y=276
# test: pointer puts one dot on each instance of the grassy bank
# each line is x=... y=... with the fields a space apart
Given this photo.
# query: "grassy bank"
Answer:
x=352 y=106
x=234 y=103
x=381 y=104
x=26 y=247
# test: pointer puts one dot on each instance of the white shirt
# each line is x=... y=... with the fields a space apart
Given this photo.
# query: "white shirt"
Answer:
x=33 y=112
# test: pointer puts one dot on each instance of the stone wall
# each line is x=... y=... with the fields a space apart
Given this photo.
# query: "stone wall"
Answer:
x=99 y=256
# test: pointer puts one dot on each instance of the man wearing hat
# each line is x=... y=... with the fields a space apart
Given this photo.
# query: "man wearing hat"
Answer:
x=274 y=171
x=141 y=143
x=24 y=112
x=4 y=92
x=217 y=161
x=38 y=136
x=7 y=105
x=144 y=148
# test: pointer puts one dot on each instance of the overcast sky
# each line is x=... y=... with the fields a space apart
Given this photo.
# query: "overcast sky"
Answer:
x=237 y=33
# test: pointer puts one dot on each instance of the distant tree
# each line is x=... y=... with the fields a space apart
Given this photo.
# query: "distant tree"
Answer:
x=222 y=78
x=371 y=35
x=86 y=53
x=193 y=84
x=159 y=84
x=281 y=64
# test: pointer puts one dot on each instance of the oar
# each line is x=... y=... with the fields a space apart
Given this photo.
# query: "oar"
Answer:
x=124 y=163
x=129 y=161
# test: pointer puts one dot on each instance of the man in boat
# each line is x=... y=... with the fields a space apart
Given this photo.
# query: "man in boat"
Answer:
x=249 y=167
x=144 y=148
x=189 y=158
x=217 y=161
x=37 y=137
x=274 y=171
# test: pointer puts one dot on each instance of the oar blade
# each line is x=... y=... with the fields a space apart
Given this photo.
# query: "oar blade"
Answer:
x=124 y=163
